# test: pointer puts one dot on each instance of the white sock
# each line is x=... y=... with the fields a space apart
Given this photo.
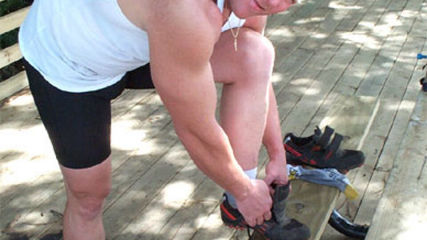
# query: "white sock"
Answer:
x=251 y=173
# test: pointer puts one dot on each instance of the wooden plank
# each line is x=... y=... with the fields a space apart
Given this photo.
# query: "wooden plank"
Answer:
x=140 y=172
x=386 y=134
x=294 y=92
x=397 y=132
x=284 y=18
x=291 y=78
x=374 y=81
x=327 y=27
x=290 y=94
x=130 y=99
x=214 y=227
x=156 y=215
x=10 y=55
x=310 y=203
x=50 y=194
x=211 y=226
x=287 y=75
x=12 y=85
x=286 y=35
x=397 y=72
x=318 y=91
x=120 y=216
x=190 y=217
x=401 y=213
x=13 y=20
x=394 y=92
x=356 y=14
x=287 y=67
x=21 y=114
x=348 y=84
x=357 y=70
x=135 y=184
x=397 y=5
x=24 y=116
x=175 y=195
x=376 y=12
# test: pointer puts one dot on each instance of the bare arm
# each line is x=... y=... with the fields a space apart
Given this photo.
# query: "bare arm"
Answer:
x=181 y=43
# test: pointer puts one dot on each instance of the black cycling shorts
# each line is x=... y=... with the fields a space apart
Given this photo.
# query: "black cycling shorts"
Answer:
x=79 y=124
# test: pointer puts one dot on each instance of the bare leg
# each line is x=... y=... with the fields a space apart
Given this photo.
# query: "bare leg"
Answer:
x=86 y=190
x=272 y=138
x=246 y=77
x=276 y=168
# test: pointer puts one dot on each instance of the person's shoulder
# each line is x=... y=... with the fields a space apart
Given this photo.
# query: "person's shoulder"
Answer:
x=188 y=29
x=191 y=13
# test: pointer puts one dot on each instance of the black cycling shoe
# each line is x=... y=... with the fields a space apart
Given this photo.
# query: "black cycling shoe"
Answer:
x=280 y=227
x=317 y=151
x=423 y=82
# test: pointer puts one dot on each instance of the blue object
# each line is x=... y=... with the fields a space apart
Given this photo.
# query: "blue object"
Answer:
x=421 y=56
x=325 y=176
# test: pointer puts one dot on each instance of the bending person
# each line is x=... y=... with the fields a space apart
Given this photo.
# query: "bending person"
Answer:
x=82 y=54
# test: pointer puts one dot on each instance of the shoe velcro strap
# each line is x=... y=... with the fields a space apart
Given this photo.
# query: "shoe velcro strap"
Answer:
x=323 y=141
x=333 y=147
x=281 y=193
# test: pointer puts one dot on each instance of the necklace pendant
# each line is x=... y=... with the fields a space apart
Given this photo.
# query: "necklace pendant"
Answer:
x=235 y=44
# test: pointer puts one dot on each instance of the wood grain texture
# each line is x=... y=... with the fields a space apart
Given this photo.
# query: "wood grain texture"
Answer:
x=9 y=55
x=312 y=204
x=401 y=213
x=12 y=20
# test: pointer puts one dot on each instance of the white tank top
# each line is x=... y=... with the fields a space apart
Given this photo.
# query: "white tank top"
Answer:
x=85 y=45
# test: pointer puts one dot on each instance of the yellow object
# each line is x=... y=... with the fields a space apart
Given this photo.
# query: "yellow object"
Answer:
x=350 y=192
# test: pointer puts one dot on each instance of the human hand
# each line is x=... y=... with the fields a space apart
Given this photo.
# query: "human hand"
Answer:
x=256 y=206
x=276 y=172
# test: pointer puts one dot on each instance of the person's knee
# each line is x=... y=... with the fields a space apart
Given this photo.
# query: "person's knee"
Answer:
x=87 y=189
x=91 y=209
x=88 y=204
x=257 y=57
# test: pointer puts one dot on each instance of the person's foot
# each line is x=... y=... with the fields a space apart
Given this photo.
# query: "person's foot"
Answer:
x=279 y=227
x=318 y=151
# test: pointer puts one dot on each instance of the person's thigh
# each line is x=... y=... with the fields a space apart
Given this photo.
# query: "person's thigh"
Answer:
x=88 y=186
x=78 y=124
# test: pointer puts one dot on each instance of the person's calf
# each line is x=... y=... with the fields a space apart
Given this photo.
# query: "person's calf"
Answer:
x=86 y=209
x=86 y=192
x=83 y=219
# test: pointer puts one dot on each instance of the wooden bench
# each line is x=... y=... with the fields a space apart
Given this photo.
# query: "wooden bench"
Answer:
x=12 y=54
x=401 y=213
x=312 y=204
x=309 y=203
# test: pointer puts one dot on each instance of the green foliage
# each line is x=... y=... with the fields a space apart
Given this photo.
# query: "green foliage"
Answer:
x=8 y=39
x=6 y=7
x=9 y=6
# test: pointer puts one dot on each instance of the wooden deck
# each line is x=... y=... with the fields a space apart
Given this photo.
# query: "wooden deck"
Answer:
x=326 y=50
